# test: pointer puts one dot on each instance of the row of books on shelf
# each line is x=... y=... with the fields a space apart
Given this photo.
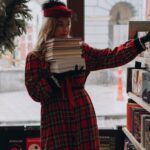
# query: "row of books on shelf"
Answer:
x=141 y=84
x=23 y=144
x=138 y=123
x=107 y=142
x=20 y=138
x=64 y=54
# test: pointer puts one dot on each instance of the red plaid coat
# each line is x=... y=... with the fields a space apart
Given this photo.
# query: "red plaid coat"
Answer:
x=68 y=120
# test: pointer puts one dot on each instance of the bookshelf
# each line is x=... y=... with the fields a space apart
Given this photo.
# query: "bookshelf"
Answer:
x=137 y=26
x=128 y=134
x=132 y=139
x=144 y=105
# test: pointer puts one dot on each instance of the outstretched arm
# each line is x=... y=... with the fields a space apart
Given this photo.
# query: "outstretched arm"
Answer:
x=101 y=59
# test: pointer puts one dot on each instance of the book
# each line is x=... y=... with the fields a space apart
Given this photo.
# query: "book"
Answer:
x=33 y=144
x=129 y=79
x=130 y=106
x=55 y=54
x=72 y=40
x=66 y=65
x=135 y=80
x=137 y=113
x=141 y=84
x=61 y=57
x=107 y=142
x=64 y=47
x=63 y=43
x=143 y=117
x=147 y=134
x=16 y=144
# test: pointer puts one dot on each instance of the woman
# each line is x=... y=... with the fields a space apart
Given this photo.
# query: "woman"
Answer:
x=68 y=120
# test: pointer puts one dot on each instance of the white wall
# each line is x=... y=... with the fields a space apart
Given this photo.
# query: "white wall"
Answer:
x=97 y=19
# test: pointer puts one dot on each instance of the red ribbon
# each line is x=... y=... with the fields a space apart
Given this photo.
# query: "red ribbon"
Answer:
x=58 y=11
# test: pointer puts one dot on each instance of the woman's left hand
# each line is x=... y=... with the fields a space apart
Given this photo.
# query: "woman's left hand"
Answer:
x=145 y=38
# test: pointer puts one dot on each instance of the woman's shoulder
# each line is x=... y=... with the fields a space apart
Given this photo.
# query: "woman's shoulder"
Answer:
x=34 y=55
x=85 y=47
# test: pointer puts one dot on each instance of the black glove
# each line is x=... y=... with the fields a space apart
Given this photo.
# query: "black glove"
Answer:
x=145 y=38
x=50 y=78
x=76 y=71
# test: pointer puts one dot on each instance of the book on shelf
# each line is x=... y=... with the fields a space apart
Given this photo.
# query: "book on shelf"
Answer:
x=138 y=29
x=137 y=113
x=147 y=134
x=130 y=106
x=16 y=144
x=107 y=142
x=141 y=84
x=129 y=79
x=64 y=54
x=143 y=128
x=33 y=144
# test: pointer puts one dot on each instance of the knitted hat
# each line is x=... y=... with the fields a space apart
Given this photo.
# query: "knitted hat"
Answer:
x=56 y=8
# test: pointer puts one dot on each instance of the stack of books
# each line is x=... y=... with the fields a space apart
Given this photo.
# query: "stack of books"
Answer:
x=64 y=54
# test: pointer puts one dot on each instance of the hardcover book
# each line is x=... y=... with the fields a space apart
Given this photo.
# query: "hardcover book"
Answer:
x=147 y=134
x=143 y=117
x=130 y=106
x=137 y=113
x=138 y=29
x=141 y=83
x=33 y=144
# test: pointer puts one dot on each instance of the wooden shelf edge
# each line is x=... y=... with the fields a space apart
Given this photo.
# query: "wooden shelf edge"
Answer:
x=132 y=139
x=139 y=101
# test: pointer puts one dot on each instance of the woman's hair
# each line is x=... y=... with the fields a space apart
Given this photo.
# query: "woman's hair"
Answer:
x=47 y=31
x=48 y=28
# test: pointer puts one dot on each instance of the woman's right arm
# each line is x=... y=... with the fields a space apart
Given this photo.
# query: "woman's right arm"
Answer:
x=37 y=85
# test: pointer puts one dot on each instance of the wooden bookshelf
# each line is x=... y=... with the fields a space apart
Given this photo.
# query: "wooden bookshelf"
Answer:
x=132 y=139
x=139 y=101
x=134 y=28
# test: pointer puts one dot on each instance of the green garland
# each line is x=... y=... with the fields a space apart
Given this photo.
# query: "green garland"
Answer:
x=14 y=15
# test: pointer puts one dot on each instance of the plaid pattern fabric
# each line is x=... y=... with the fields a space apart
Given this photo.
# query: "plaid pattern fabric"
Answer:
x=107 y=58
x=68 y=120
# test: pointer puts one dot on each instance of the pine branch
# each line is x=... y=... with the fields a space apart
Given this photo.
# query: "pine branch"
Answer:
x=14 y=15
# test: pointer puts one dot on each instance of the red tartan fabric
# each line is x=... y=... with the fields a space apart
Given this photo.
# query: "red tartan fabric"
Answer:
x=65 y=126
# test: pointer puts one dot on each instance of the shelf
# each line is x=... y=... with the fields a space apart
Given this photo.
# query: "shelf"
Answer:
x=132 y=139
x=139 y=101
x=143 y=60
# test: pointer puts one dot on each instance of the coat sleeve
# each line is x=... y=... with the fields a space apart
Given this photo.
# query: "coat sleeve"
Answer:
x=102 y=59
x=36 y=84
